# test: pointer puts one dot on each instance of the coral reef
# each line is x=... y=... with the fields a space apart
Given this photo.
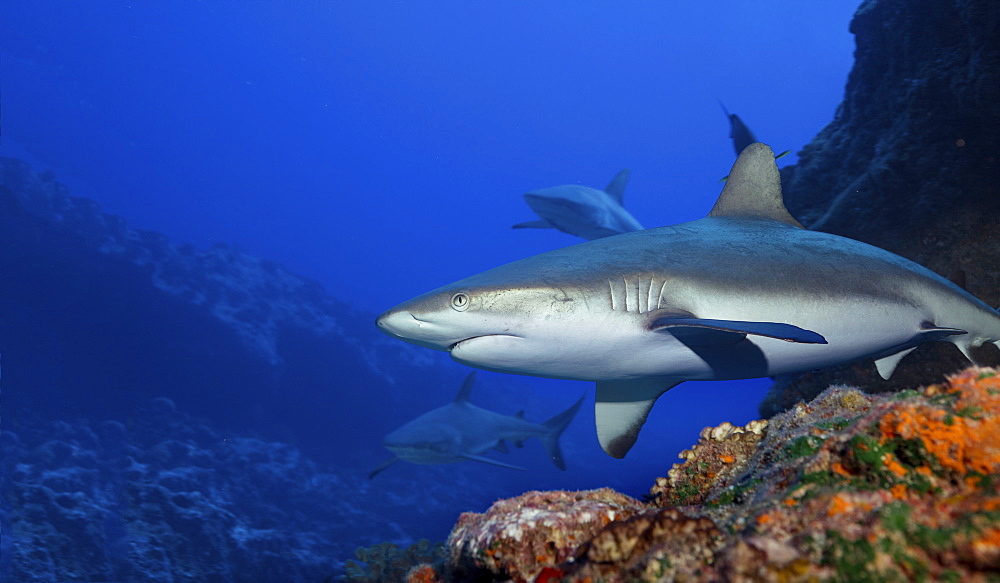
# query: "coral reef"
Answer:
x=909 y=163
x=522 y=536
x=849 y=487
x=165 y=497
x=387 y=563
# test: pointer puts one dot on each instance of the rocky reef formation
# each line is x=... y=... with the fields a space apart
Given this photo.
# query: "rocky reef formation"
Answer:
x=166 y=497
x=104 y=318
x=910 y=164
x=849 y=487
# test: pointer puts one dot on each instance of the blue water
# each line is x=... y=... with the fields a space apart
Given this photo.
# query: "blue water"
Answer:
x=382 y=148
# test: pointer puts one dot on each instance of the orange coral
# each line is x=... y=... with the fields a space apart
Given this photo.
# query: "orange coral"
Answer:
x=987 y=546
x=893 y=466
x=967 y=440
x=838 y=505
x=422 y=574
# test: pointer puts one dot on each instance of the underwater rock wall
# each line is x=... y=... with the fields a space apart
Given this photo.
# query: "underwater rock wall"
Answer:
x=98 y=318
x=910 y=163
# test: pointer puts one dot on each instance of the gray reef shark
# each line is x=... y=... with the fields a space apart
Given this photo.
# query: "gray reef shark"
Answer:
x=581 y=210
x=740 y=133
x=744 y=292
x=461 y=431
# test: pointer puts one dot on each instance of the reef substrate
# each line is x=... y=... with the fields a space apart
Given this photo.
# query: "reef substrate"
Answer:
x=849 y=487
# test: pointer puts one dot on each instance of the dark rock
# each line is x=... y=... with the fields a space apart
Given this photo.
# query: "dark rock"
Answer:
x=910 y=164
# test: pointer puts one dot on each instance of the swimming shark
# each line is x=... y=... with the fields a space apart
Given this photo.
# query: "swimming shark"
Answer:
x=461 y=431
x=741 y=134
x=581 y=210
x=744 y=292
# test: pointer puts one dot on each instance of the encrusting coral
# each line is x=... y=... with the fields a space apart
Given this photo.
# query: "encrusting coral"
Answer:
x=523 y=536
x=387 y=563
x=849 y=487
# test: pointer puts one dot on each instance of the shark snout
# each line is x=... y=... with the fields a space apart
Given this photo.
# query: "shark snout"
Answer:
x=403 y=324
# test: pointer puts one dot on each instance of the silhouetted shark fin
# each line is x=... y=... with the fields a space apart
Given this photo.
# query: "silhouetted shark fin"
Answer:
x=621 y=409
x=887 y=365
x=725 y=111
x=382 y=466
x=466 y=391
x=705 y=332
x=616 y=188
x=501 y=446
x=554 y=428
x=753 y=189
x=541 y=224
x=486 y=460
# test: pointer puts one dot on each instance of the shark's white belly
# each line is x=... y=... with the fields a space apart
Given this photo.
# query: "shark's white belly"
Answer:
x=617 y=346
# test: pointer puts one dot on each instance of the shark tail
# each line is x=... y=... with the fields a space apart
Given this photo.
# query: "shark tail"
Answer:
x=554 y=429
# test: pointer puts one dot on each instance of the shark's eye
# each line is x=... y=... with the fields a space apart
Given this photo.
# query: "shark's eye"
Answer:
x=460 y=302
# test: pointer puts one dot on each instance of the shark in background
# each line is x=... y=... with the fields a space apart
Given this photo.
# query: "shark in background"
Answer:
x=461 y=431
x=581 y=210
x=740 y=133
x=744 y=292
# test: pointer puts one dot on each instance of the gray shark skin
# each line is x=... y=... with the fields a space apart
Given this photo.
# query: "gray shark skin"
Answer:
x=744 y=292
x=461 y=431
x=581 y=210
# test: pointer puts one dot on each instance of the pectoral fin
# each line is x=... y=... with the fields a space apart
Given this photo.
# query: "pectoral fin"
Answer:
x=486 y=460
x=700 y=331
x=382 y=466
x=621 y=409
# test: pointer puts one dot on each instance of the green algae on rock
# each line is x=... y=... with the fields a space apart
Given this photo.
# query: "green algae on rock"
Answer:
x=849 y=487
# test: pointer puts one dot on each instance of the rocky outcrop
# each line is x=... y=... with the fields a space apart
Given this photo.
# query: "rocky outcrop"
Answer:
x=96 y=318
x=910 y=163
x=849 y=487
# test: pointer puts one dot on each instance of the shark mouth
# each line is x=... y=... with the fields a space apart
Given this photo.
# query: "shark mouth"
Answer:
x=471 y=338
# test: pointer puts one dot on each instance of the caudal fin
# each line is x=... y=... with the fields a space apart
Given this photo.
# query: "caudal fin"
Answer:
x=555 y=428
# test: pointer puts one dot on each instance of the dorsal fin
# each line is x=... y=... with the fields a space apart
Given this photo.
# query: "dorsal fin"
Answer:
x=616 y=188
x=753 y=188
x=466 y=390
